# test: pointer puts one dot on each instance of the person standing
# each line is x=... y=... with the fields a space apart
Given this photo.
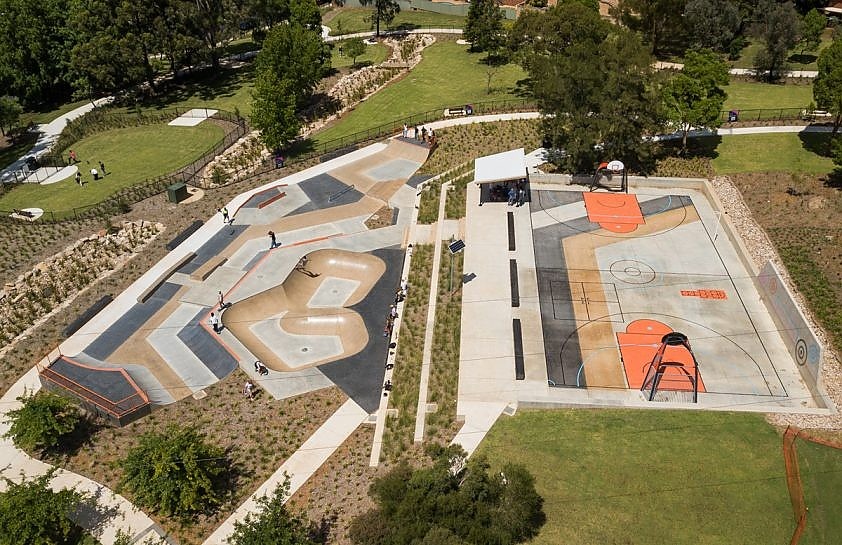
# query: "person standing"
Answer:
x=405 y=130
x=214 y=322
x=272 y=241
x=221 y=299
x=95 y=174
x=224 y=212
x=73 y=158
x=102 y=168
x=79 y=178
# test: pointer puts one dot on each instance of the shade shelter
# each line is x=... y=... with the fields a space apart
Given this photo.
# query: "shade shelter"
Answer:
x=497 y=174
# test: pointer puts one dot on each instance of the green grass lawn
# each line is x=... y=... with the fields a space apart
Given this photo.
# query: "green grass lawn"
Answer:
x=17 y=149
x=374 y=54
x=797 y=60
x=225 y=89
x=749 y=95
x=447 y=76
x=786 y=152
x=636 y=476
x=130 y=155
x=48 y=114
x=353 y=20
x=821 y=475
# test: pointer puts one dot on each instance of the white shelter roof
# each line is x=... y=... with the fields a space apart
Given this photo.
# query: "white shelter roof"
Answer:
x=509 y=165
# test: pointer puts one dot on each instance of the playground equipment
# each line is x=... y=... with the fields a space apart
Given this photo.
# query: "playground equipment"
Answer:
x=607 y=175
x=658 y=368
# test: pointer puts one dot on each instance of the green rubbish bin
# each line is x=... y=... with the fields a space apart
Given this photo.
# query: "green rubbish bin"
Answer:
x=177 y=192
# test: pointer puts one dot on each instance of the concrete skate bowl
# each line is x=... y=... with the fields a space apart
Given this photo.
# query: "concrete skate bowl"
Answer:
x=306 y=321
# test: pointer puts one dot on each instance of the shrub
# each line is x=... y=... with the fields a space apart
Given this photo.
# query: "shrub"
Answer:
x=44 y=420
x=175 y=471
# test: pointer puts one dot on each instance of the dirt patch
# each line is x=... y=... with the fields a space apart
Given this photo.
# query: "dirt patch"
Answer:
x=381 y=218
x=258 y=435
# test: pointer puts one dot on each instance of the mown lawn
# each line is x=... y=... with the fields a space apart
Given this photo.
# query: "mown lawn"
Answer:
x=750 y=95
x=784 y=152
x=447 y=76
x=796 y=61
x=637 y=476
x=821 y=475
x=130 y=155
x=353 y=20
x=374 y=54
x=226 y=89
x=49 y=113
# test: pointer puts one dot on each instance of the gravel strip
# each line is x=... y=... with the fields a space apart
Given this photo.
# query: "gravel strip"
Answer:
x=760 y=250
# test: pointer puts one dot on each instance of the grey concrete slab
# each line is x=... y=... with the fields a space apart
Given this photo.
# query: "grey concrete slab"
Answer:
x=416 y=179
x=144 y=378
x=256 y=200
x=293 y=199
x=222 y=238
x=361 y=376
x=110 y=385
x=404 y=197
x=118 y=333
x=207 y=348
x=181 y=359
x=325 y=191
x=296 y=351
x=206 y=293
x=393 y=170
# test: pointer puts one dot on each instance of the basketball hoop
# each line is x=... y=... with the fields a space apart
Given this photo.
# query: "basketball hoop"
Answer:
x=616 y=166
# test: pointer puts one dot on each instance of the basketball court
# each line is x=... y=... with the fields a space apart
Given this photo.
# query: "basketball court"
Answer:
x=599 y=280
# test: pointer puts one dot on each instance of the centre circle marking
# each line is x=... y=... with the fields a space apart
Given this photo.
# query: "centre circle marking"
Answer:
x=631 y=271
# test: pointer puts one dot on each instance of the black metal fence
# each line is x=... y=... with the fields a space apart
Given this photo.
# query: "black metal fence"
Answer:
x=122 y=200
x=766 y=114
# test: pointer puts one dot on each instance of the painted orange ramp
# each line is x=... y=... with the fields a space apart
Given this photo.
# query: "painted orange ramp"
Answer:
x=638 y=345
x=615 y=212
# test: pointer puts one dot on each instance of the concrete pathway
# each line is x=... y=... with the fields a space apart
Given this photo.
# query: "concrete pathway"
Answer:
x=664 y=65
x=301 y=465
x=115 y=512
x=49 y=133
x=386 y=33
x=427 y=354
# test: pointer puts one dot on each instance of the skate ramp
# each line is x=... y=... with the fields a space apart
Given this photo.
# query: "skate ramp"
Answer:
x=305 y=320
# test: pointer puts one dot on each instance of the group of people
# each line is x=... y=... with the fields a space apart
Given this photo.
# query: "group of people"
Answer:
x=517 y=194
x=421 y=133
x=95 y=174
x=400 y=295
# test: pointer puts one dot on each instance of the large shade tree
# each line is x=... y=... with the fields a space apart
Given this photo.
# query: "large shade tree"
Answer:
x=660 y=22
x=43 y=421
x=453 y=502
x=384 y=12
x=592 y=82
x=778 y=26
x=484 y=25
x=693 y=98
x=712 y=24
x=827 y=87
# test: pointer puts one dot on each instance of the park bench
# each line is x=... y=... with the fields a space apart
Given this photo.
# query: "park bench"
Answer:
x=459 y=111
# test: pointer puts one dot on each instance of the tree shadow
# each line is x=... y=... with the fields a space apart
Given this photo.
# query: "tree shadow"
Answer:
x=93 y=515
x=319 y=531
x=203 y=85
x=403 y=27
x=523 y=88
x=802 y=58
x=817 y=142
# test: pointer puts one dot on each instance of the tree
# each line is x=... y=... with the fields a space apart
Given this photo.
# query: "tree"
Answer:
x=812 y=27
x=10 y=110
x=384 y=11
x=778 y=26
x=306 y=13
x=827 y=87
x=593 y=83
x=659 y=21
x=273 y=110
x=43 y=421
x=484 y=25
x=175 y=471
x=269 y=12
x=354 y=47
x=272 y=523
x=454 y=502
x=693 y=98
x=296 y=54
x=712 y=24
x=35 y=45
x=31 y=513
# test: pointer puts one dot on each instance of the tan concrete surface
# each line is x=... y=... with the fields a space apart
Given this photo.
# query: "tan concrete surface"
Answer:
x=291 y=299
